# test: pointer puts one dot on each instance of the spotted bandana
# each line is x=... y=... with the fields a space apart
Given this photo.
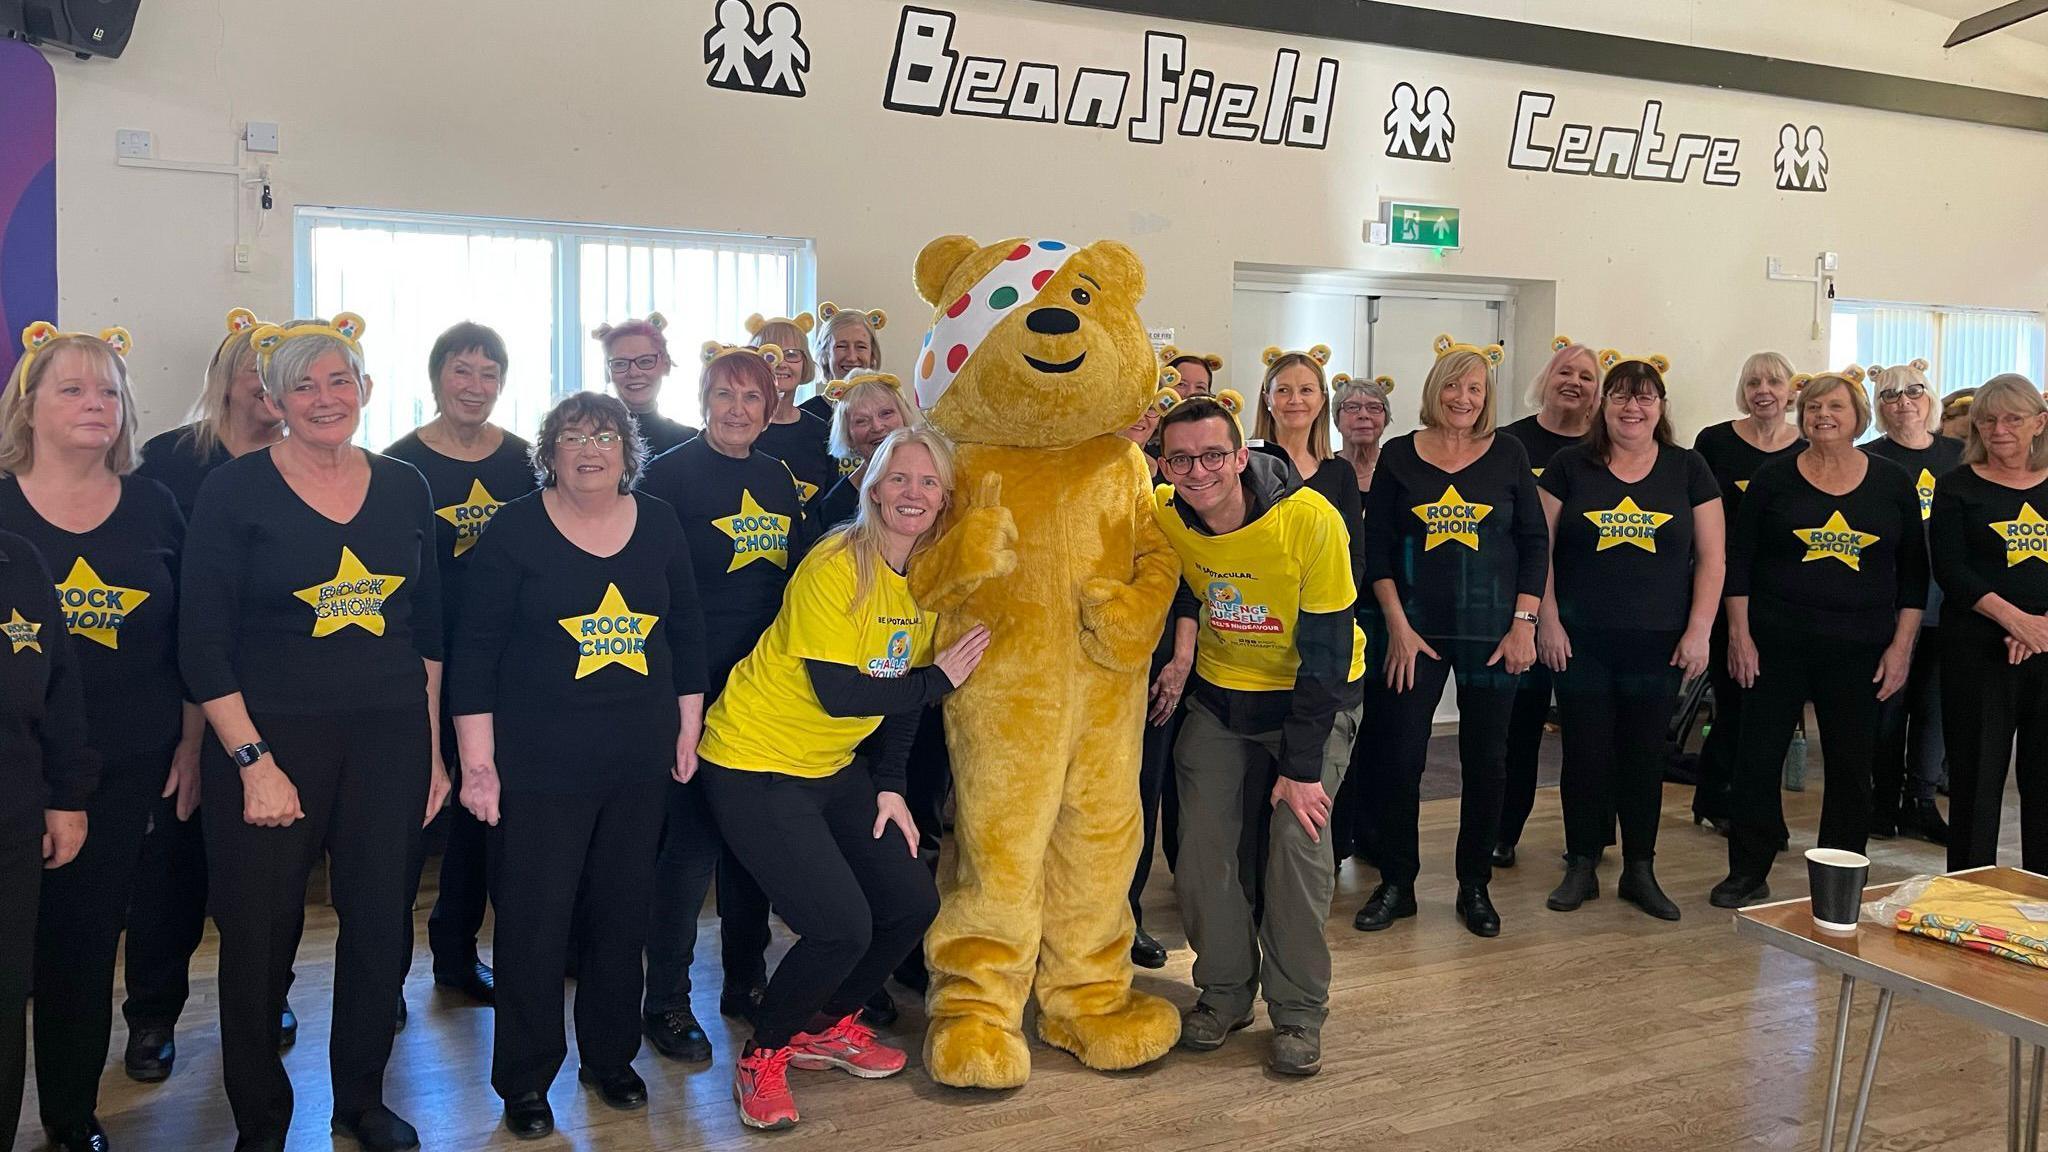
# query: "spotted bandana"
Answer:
x=966 y=322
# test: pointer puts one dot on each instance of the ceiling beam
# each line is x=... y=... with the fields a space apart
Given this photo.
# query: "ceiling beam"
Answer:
x=2003 y=16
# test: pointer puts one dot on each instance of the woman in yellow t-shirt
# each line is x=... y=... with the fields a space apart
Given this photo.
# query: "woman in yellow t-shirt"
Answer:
x=850 y=652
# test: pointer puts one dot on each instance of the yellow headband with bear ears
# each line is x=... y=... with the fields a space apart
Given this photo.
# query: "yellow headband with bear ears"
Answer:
x=655 y=320
x=802 y=322
x=346 y=327
x=1493 y=354
x=1874 y=369
x=1212 y=361
x=42 y=334
x=713 y=350
x=836 y=390
x=1608 y=358
x=1273 y=354
x=1853 y=374
x=1384 y=383
x=875 y=318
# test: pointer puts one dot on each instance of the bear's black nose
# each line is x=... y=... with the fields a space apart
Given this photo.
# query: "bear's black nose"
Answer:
x=1052 y=321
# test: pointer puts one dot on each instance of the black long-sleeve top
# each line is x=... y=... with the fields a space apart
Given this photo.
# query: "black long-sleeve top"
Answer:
x=579 y=659
x=173 y=460
x=44 y=758
x=1624 y=556
x=466 y=494
x=117 y=587
x=1336 y=481
x=1990 y=539
x=801 y=445
x=1835 y=566
x=845 y=691
x=1925 y=466
x=1459 y=546
x=744 y=522
x=1539 y=442
x=298 y=613
x=1734 y=461
x=839 y=505
x=660 y=432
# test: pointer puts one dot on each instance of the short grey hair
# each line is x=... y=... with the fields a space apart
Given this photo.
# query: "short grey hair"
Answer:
x=603 y=413
x=1774 y=361
x=293 y=358
x=867 y=395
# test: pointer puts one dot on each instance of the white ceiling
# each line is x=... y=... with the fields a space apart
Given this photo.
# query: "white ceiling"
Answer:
x=1959 y=10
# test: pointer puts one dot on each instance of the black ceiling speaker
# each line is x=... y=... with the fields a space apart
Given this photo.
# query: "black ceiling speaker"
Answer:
x=86 y=27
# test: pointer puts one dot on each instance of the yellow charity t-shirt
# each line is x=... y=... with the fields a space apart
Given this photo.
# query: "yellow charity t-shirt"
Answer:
x=768 y=719
x=1255 y=582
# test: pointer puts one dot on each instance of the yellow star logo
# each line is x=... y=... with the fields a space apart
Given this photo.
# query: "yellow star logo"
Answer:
x=2026 y=536
x=94 y=608
x=1925 y=484
x=354 y=597
x=614 y=634
x=21 y=633
x=1536 y=472
x=470 y=516
x=805 y=490
x=757 y=534
x=1627 y=524
x=1452 y=518
x=1835 y=539
x=1742 y=485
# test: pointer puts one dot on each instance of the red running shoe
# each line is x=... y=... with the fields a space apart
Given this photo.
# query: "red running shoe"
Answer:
x=760 y=1086
x=850 y=1045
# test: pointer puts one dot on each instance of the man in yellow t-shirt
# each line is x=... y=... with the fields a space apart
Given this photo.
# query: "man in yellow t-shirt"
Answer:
x=1275 y=696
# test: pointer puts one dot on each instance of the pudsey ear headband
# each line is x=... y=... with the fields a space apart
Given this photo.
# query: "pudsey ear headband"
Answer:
x=1384 y=383
x=875 y=318
x=655 y=320
x=1493 y=354
x=802 y=322
x=1874 y=369
x=346 y=327
x=1852 y=374
x=1319 y=353
x=837 y=389
x=1609 y=358
x=1212 y=361
x=713 y=351
x=42 y=334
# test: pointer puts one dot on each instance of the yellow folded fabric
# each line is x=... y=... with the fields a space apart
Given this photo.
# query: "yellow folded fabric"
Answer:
x=1978 y=918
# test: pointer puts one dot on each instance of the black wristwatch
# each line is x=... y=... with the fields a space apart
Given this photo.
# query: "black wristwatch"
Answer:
x=248 y=754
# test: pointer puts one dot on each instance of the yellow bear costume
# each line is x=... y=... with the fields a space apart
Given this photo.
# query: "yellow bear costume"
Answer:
x=1035 y=361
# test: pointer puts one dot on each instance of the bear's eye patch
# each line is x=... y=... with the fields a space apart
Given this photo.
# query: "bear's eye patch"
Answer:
x=1081 y=296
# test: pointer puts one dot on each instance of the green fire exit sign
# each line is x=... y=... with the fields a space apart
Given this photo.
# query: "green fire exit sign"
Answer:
x=1421 y=225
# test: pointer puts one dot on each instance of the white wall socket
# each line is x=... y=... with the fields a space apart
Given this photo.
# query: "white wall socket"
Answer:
x=261 y=137
x=133 y=144
x=245 y=258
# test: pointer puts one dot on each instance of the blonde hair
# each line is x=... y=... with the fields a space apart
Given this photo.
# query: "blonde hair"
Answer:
x=829 y=331
x=2006 y=395
x=18 y=404
x=1815 y=387
x=791 y=339
x=867 y=396
x=1453 y=366
x=862 y=535
x=1534 y=398
x=1265 y=426
x=210 y=411
x=1772 y=360
x=1899 y=376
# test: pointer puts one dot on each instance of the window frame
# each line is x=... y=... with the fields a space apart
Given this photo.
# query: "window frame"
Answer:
x=1940 y=312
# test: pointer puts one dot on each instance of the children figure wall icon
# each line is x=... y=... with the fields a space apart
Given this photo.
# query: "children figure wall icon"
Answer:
x=1424 y=134
x=772 y=61
x=1801 y=163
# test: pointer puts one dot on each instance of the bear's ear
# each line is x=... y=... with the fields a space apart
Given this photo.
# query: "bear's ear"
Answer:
x=1231 y=401
x=118 y=339
x=600 y=332
x=1494 y=355
x=1271 y=355
x=710 y=351
x=770 y=354
x=1443 y=343
x=265 y=339
x=1386 y=384
x=1874 y=370
x=1320 y=354
x=1214 y=362
x=240 y=320
x=826 y=311
x=657 y=321
x=1800 y=381
x=937 y=263
x=1121 y=265
x=836 y=390
x=1169 y=377
x=1169 y=354
x=38 y=335
x=1920 y=364
x=1164 y=400
x=1660 y=362
x=805 y=322
x=755 y=323
x=1608 y=358
x=877 y=319
x=1853 y=374
x=1560 y=343
x=349 y=325
x=1340 y=380
x=894 y=381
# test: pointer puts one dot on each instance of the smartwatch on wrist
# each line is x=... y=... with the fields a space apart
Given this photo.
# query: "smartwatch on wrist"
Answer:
x=248 y=754
x=1528 y=616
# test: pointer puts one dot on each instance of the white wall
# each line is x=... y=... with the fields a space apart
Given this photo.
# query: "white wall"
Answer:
x=599 y=111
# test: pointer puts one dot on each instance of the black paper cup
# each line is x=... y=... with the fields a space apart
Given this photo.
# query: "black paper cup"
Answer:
x=1837 y=878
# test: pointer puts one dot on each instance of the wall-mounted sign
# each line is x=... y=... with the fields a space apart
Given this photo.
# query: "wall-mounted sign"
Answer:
x=1420 y=133
x=1618 y=153
x=771 y=60
x=1421 y=225
x=930 y=77
x=1160 y=338
x=1801 y=162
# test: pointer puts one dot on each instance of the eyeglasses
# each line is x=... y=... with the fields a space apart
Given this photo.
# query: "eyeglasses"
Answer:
x=1360 y=408
x=2003 y=420
x=1894 y=395
x=1181 y=464
x=603 y=441
x=647 y=363
x=1639 y=399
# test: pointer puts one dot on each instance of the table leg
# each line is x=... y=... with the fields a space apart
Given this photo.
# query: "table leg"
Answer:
x=2034 y=1100
x=1884 y=1011
x=1827 y=1124
x=2013 y=1115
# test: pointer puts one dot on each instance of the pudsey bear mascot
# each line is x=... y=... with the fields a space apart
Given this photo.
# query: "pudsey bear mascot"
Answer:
x=1035 y=360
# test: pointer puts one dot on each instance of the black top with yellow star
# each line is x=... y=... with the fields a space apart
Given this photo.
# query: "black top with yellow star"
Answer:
x=301 y=614
x=1539 y=442
x=801 y=445
x=466 y=494
x=1735 y=461
x=44 y=759
x=1988 y=538
x=1624 y=551
x=1836 y=566
x=173 y=460
x=578 y=658
x=116 y=584
x=747 y=531
x=1923 y=466
x=1459 y=546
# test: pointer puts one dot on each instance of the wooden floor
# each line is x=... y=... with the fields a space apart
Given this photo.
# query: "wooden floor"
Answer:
x=1601 y=1029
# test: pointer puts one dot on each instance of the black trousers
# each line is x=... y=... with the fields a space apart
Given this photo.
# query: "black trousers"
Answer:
x=1614 y=699
x=465 y=883
x=688 y=859
x=1525 y=741
x=362 y=780
x=166 y=917
x=1985 y=704
x=21 y=882
x=1486 y=696
x=1712 y=797
x=83 y=907
x=928 y=780
x=1910 y=745
x=547 y=847
x=857 y=904
x=1155 y=767
x=1792 y=668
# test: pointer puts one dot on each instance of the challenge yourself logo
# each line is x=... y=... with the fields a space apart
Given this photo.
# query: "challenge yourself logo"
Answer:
x=1229 y=613
x=896 y=662
x=93 y=608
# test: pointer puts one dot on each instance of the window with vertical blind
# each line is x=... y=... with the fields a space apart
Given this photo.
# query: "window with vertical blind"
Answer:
x=1964 y=346
x=544 y=287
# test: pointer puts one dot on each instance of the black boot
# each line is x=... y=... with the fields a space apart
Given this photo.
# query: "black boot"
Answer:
x=528 y=1116
x=1503 y=855
x=880 y=1010
x=1923 y=819
x=1475 y=908
x=378 y=1129
x=1389 y=902
x=1639 y=887
x=86 y=1137
x=1147 y=952
x=1581 y=883
x=676 y=1035
x=151 y=1054
x=1738 y=891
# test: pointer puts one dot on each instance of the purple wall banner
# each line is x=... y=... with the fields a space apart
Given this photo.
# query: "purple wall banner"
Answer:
x=28 y=195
